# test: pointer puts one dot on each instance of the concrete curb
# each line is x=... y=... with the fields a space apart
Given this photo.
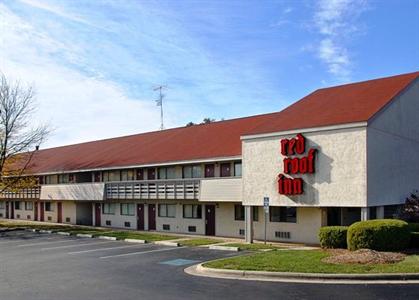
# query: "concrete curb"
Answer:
x=135 y=241
x=45 y=231
x=385 y=278
x=84 y=235
x=167 y=243
x=109 y=238
x=11 y=229
x=224 y=248
x=63 y=233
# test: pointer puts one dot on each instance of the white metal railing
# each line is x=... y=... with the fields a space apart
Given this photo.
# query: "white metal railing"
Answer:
x=153 y=189
x=28 y=193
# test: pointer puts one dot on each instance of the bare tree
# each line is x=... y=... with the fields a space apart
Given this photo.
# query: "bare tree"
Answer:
x=19 y=137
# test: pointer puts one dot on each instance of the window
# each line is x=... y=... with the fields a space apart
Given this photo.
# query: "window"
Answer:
x=1 y=205
x=17 y=205
x=167 y=210
x=283 y=214
x=391 y=211
x=51 y=179
x=373 y=213
x=48 y=206
x=63 y=178
x=192 y=211
x=192 y=171
x=108 y=208
x=191 y=228
x=239 y=213
x=127 y=175
x=112 y=176
x=127 y=224
x=127 y=209
x=238 y=169
x=167 y=173
x=28 y=205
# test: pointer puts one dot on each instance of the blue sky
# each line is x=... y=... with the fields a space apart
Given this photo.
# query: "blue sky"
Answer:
x=94 y=63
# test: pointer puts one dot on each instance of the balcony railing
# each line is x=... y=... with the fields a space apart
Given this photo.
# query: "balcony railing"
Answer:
x=28 y=193
x=153 y=189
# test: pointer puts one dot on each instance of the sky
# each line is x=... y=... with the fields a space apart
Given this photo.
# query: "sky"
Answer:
x=94 y=64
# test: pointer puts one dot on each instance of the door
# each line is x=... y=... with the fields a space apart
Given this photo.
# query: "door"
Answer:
x=35 y=212
x=41 y=211
x=225 y=170
x=98 y=215
x=59 y=212
x=209 y=170
x=152 y=217
x=209 y=219
x=12 y=210
x=140 y=216
x=151 y=174
x=7 y=209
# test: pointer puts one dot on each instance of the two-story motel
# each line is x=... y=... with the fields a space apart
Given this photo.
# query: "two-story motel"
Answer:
x=336 y=156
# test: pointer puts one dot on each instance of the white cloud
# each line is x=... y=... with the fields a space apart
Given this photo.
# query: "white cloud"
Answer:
x=336 y=20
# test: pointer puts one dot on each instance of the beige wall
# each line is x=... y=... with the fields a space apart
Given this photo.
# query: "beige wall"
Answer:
x=225 y=225
x=393 y=150
x=339 y=178
x=221 y=190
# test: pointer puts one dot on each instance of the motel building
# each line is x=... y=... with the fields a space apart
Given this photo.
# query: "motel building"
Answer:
x=337 y=156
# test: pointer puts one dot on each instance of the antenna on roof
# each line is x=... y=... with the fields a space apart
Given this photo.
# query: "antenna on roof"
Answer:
x=159 y=102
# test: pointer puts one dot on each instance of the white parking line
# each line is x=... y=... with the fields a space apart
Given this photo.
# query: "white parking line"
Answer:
x=75 y=245
x=45 y=243
x=103 y=249
x=141 y=252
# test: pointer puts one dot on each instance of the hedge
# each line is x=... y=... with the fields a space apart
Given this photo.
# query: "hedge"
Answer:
x=333 y=236
x=381 y=235
x=414 y=240
x=413 y=227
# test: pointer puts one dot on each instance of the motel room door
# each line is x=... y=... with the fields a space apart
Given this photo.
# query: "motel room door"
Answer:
x=59 y=212
x=7 y=209
x=209 y=219
x=41 y=211
x=140 y=216
x=12 y=210
x=97 y=215
x=152 y=217
x=35 y=212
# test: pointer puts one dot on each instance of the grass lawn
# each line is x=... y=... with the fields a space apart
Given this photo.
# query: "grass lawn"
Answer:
x=308 y=261
x=199 y=242
x=139 y=236
x=252 y=247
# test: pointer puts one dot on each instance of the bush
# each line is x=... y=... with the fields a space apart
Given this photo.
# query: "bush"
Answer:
x=381 y=235
x=333 y=236
x=413 y=227
x=414 y=240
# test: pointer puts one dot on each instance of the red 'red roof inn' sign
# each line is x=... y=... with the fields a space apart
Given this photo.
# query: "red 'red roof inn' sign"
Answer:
x=295 y=165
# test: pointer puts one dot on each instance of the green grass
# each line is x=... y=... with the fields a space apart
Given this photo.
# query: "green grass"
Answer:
x=308 y=261
x=199 y=242
x=252 y=247
x=149 y=237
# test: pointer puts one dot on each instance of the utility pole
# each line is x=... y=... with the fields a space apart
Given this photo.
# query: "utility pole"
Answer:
x=159 y=102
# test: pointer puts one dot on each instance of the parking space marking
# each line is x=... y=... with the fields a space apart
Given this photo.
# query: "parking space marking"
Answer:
x=45 y=243
x=141 y=252
x=75 y=245
x=103 y=249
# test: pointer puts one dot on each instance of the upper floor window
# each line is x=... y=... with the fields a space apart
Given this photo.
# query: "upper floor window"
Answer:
x=192 y=171
x=112 y=175
x=63 y=178
x=167 y=173
x=238 y=169
x=51 y=179
x=127 y=175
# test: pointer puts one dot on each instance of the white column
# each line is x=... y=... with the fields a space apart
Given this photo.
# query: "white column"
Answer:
x=380 y=212
x=248 y=218
x=365 y=213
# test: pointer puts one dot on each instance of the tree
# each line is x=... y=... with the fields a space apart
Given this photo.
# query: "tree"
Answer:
x=410 y=210
x=19 y=138
x=204 y=121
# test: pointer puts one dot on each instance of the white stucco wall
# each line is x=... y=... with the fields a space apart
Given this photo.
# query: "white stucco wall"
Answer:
x=340 y=172
x=393 y=150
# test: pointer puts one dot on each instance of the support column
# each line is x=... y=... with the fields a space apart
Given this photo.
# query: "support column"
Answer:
x=365 y=213
x=248 y=218
x=380 y=212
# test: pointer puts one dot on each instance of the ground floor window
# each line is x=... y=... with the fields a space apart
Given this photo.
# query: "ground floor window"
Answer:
x=108 y=208
x=391 y=211
x=239 y=213
x=28 y=205
x=192 y=211
x=48 y=206
x=373 y=213
x=17 y=205
x=283 y=214
x=167 y=210
x=127 y=209
x=1 y=205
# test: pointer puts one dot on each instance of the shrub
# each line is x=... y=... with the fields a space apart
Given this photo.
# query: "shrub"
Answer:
x=381 y=235
x=413 y=227
x=414 y=240
x=333 y=236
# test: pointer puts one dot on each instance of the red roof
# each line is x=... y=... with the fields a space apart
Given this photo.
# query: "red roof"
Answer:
x=356 y=102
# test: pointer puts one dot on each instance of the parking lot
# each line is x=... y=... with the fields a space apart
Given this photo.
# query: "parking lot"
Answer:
x=50 y=266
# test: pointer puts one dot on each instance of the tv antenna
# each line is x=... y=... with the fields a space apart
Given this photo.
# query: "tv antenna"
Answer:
x=159 y=102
